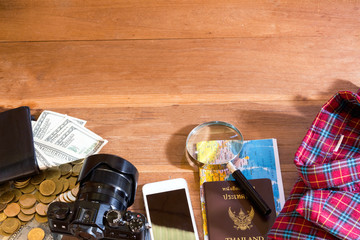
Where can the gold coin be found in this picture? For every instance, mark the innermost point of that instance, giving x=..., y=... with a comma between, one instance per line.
x=76, y=169
x=2, y=216
x=67, y=175
x=7, y=197
x=4, y=233
x=20, y=185
x=12, y=210
x=25, y=217
x=65, y=168
x=59, y=186
x=47, y=187
x=40, y=219
x=28, y=189
x=17, y=194
x=36, y=234
x=27, y=200
x=46, y=199
x=72, y=182
x=41, y=209
x=37, y=194
x=22, y=182
x=28, y=211
x=37, y=179
x=66, y=184
x=10, y=225
x=53, y=173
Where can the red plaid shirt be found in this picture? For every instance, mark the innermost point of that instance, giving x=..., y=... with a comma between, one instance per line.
x=325, y=201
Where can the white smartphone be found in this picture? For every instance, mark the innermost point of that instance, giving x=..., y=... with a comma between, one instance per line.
x=169, y=211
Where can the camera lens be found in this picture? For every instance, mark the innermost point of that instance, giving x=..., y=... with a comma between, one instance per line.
x=107, y=187
x=108, y=179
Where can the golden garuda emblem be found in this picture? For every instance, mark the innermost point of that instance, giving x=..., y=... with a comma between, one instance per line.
x=242, y=221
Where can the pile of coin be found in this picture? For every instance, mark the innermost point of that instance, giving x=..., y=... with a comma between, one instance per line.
x=25, y=199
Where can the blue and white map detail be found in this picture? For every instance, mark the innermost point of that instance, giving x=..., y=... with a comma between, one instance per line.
x=260, y=159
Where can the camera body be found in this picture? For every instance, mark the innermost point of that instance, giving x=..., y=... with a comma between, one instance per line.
x=107, y=188
x=88, y=220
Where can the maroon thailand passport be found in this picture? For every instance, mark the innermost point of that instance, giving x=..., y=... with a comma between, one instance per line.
x=230, y=214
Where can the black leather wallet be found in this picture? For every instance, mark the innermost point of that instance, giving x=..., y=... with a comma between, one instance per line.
x=17, y=153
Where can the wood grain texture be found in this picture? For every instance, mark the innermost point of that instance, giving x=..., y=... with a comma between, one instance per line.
x=167, y=72
x=115, y=20
x=144, y=73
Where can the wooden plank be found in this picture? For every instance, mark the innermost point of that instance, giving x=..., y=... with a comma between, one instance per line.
x=165, y=73
x=133, y=133
x=112, y=20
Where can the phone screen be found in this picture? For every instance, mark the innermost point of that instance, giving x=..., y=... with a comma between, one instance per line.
x=170, y=215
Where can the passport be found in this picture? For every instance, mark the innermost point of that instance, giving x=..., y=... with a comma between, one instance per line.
x=230, y=214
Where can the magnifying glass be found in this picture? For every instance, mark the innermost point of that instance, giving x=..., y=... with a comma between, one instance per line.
x=214, y=145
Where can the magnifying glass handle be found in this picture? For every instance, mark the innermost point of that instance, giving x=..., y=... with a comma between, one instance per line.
x=249, y=190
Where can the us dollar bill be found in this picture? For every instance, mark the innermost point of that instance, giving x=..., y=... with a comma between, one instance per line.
x=33, y=123
x=49, y=120
x=60, y=139
x=75, y=139
x=42, y=160
x=63, y=127
x=54, y=155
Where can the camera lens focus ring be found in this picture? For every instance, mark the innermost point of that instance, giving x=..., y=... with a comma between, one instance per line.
x=108, y=179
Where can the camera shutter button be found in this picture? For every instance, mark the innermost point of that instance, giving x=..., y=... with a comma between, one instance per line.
x=128, y=216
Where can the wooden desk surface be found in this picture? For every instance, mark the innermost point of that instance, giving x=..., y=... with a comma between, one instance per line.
x=144, y=73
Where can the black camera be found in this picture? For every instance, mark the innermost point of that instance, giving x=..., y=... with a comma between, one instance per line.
x=107, y=188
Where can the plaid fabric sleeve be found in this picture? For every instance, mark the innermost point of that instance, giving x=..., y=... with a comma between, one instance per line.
x=289, y=224
x=337, y=212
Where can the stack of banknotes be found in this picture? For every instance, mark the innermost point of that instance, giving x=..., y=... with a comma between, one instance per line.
x=61, y=139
